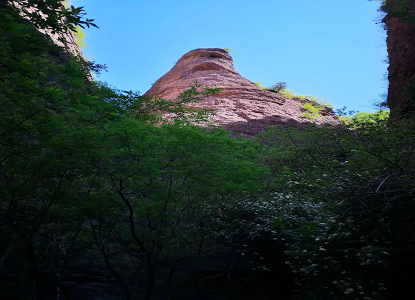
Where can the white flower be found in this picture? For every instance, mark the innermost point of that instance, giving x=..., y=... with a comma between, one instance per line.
x=348, y=291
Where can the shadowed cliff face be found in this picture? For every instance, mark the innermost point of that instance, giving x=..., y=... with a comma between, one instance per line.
x=241, y=106
x=401, y=52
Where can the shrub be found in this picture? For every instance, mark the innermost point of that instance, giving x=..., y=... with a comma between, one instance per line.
x=313, y=111
x=259, y=85
x=279, y=86
x=306, y=97
x=287, y=93
x=366, y=120
x=80, y=37
x=344, y=200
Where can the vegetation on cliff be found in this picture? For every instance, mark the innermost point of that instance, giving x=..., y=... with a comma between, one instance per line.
x=91, y=176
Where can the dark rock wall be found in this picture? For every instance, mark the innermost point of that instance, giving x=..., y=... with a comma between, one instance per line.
x=400, y=24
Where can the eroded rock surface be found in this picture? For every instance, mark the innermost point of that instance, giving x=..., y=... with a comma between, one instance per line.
x=241, y=106
x=401, y=52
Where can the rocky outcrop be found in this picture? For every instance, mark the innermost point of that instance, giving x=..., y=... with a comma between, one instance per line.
x=241, y=106
x=400, y=24
x=65, y=40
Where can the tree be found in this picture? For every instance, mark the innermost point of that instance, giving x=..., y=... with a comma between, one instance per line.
x=279, y=86
x=344, y=199
x=87, y=169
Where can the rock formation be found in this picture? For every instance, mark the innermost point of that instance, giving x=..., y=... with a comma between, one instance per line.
x=400, y=24
x=65, y=40
x=241, y=106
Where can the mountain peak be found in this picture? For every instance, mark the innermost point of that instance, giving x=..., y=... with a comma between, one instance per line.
x=241, y=106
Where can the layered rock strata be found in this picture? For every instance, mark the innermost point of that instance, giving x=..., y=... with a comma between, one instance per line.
x=241, y=106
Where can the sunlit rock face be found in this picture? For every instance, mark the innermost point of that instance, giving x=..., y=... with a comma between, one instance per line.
x=241, y=106
x=66, y=40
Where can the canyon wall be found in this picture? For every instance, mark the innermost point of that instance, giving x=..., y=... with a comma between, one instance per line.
x=400, y=25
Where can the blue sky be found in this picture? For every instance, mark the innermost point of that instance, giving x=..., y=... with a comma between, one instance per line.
x=326, y=48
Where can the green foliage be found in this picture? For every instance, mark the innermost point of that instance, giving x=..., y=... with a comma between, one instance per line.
x=313, y=111
x=279, y=86
x=306, y=97
x=291, y=95
x=90, y=173
x=308, y=115
x=401, y=9
x=85, y=169
x=343, y=199
x=287, y=93
x=227, y=50
x=80, y=37
x=367, y=120
x=50, y=15
x=66, y=3
x=259, y=85
x=311, y=108
x=325, y=103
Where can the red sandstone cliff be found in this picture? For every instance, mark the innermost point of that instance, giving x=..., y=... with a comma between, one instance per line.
x=400, y=24
x=241, y=106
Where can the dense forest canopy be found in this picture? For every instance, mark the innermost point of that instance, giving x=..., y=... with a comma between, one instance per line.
x=94, y=181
